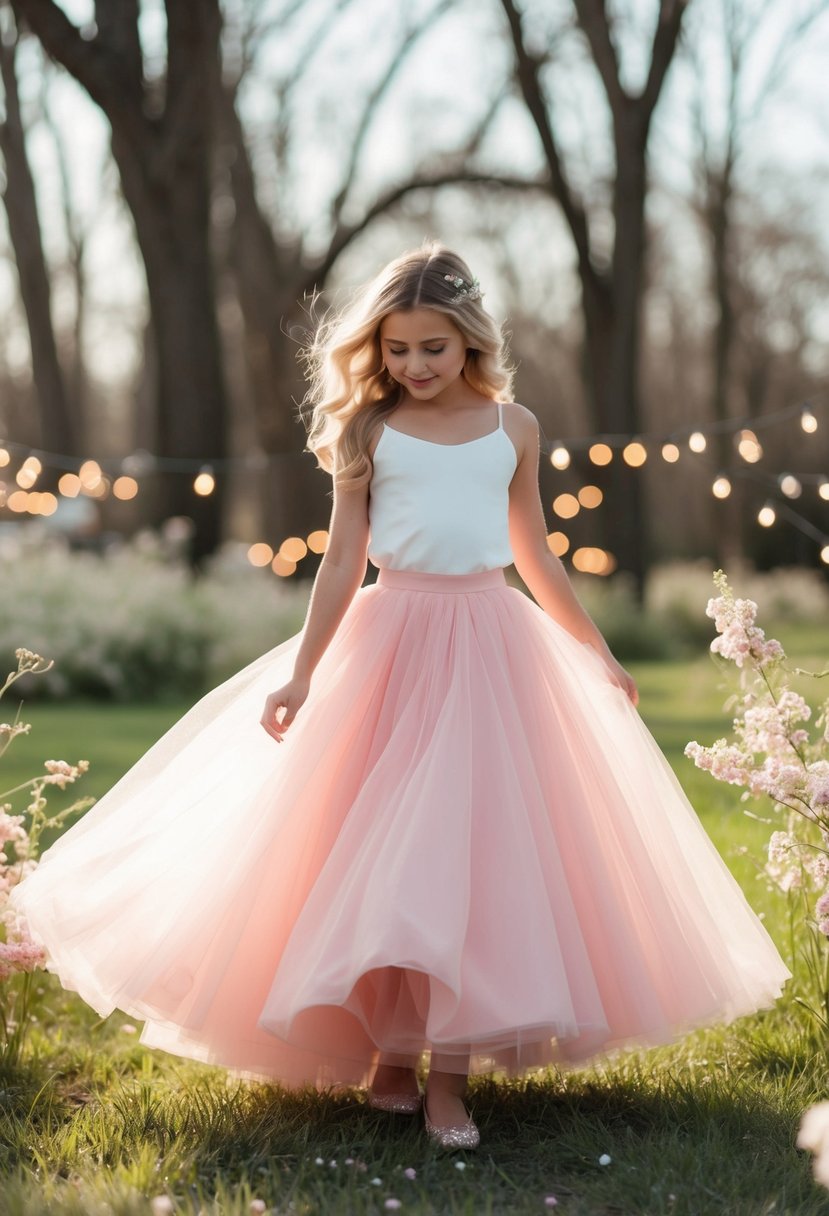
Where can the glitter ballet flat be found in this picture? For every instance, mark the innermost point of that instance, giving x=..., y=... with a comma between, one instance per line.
x=456, y=1135
x=396, y=1104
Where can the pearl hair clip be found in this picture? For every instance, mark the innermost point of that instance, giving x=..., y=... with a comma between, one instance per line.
x=466, y=291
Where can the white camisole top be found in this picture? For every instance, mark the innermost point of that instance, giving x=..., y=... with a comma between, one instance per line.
x=441, y=508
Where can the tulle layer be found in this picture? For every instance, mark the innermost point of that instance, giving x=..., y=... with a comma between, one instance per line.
x=468, y=843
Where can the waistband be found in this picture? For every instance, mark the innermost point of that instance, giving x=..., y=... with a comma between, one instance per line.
x=418, y=580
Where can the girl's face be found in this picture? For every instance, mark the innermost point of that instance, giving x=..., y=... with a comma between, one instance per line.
x=423, y=350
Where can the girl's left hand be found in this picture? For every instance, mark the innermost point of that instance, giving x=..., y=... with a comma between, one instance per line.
x=622, y=679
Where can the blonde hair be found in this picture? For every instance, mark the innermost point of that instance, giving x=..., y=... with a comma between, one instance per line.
x=351, y=392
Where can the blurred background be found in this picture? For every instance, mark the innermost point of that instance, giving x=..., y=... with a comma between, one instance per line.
x=640, y=187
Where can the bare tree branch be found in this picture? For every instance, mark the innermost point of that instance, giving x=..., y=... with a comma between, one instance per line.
x=452, y=177
x=374, y=98
x=532, y=91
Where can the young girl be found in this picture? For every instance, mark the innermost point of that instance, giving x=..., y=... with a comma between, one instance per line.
x=454, y=835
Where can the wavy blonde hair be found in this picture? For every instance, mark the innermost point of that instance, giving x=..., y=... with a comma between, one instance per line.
x=351, y=392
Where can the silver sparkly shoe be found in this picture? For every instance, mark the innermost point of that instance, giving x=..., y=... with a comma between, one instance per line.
x=396, y=1104
x=456, y=1135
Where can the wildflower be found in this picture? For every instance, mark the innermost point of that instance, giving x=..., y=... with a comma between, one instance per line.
x=813, y=1134
x=377, y=1182
x=128, y=1028
x=550, y=1201
x=258, y=1206
x=460, y=1165
x=318, y=1161
x=393, y=1205
x=410, y=1173
x=162, y=1205
x=605, y=1159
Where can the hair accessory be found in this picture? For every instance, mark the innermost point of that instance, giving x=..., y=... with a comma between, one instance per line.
x=466, y=291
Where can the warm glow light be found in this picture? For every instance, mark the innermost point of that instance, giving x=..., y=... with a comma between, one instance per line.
x=293, y=549
x=70, y=485
x=318, y=541
x=766, y=516
x=125, y=488
x=670, y=453
x=594, y=561
x=281, y=566
x=101, y=488
x=90, y=475
x=260, y=554
x=566, y=506
x=558, y=543
x=721, y=487
x=5, y=457
x=48, y=503
x=18, y=501
x=25, y=477
x=824, y=554
x=560, y=458
x=790, y=486
x=635, y=454
x=748, y=445
x=808, y=421
x=204, y=484
x=697, y=442
x=590, y=496
x=823, y=490
x=600, y=453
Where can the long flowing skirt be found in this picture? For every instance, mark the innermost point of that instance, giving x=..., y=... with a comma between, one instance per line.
x=468, y=843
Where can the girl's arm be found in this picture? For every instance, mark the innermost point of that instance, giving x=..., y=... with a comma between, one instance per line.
x=541, y=571
x=340, y=574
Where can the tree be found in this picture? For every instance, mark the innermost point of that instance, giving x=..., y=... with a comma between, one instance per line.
x=611, y=295
x=60, y=425
x=162, y=143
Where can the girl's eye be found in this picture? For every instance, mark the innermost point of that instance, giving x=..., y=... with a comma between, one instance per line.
x=429, y=351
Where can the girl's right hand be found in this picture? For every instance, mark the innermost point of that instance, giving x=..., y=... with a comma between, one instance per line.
x=290, y=696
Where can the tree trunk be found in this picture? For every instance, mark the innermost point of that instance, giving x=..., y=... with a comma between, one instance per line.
x=59, y=428
x=162, y=142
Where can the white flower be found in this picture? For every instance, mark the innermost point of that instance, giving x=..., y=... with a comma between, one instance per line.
x=460, y=1165
x=162, y=1205
x=605, y=1159
x=813, y=1134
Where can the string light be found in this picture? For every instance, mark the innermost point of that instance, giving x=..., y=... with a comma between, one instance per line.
x=590, y=497
x=697, y=442
x=635, y=454
x=124, y=488
x=566, y=506
x=824, y=554
x=808, y=421
x=721, y=487
x=282, y=566
x=766, y=516
x=558, y=543
x=5, y=457
x=790, y=486
x=670, y=453
x=594, y=561
x=205, y=483
x=749, y=447
x=318, y=540
x=293, y=549
x=260, y=554
x=560, y=458
x=600, y=453
x=69, y=485
x=823, y=489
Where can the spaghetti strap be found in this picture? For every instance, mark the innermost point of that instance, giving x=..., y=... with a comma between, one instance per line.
x=500, y=418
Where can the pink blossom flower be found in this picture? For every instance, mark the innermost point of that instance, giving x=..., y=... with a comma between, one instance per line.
x=410, y=1173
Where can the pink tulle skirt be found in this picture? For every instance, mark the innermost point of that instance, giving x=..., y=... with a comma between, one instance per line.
x=467, y=844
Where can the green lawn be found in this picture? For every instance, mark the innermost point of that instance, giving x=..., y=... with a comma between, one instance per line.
x=94, y=1123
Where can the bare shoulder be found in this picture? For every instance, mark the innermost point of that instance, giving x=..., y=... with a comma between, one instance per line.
x=521, y=426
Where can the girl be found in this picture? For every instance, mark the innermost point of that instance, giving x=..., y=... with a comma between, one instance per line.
x=466, y=843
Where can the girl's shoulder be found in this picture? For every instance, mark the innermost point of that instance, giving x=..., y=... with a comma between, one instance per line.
x=520, y=424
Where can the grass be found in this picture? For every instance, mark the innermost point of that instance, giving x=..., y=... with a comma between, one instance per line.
x=93, y=1123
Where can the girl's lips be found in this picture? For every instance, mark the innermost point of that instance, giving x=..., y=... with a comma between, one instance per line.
x=420, y=383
